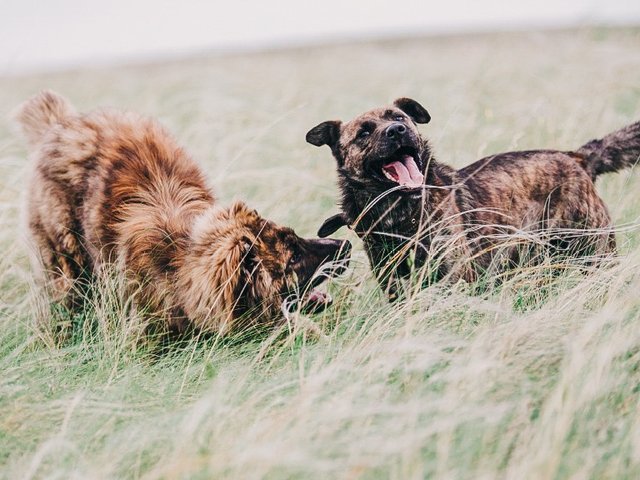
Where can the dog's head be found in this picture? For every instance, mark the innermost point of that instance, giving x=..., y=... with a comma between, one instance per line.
x=240, y=262
x=379, y=149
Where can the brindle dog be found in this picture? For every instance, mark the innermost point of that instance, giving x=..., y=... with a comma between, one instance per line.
x=411, y=209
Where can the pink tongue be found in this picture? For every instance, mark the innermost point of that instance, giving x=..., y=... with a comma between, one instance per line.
x=405, y=172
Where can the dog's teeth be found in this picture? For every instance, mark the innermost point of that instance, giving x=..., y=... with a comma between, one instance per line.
x=404, y=172
x=389, y=176
x=317, y=301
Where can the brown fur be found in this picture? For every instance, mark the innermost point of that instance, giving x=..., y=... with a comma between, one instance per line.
x=115, y=188
x=532, y=203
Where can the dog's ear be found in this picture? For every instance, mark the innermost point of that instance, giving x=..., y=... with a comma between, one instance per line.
x=332, y=224
x=327, y=133
x=412, y=108
x=209, y=286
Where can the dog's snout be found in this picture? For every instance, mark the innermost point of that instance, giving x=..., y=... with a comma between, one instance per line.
x=344, y=251
x=328, y=256
x=333, y=249
x=341, y=255
x=329, y=249
x=395, y=130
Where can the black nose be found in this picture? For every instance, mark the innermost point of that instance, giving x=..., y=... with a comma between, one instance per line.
x=395, y=130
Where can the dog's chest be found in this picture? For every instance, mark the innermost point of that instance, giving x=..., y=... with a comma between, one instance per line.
x=400, y=218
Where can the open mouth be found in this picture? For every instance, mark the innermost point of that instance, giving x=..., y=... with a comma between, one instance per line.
x=316, y=299
x=329, y=258
x=313, y=300
x=402, y=168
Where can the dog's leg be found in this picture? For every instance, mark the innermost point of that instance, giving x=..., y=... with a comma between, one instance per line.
x=60, y=252
x=65, y=281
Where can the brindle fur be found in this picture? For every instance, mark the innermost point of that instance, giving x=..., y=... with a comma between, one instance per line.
x=516, y=203
x=115, y=188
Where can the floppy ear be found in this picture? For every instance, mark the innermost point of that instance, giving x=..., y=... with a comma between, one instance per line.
x=412, y=108
x=228, y=262
x=327, y=133
x=332, y=224
x=243, y=213
x=209, y=282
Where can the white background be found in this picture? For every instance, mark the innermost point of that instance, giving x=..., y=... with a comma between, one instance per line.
x=52, y=34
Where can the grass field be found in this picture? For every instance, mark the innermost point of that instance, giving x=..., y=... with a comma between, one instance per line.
x=516, y=383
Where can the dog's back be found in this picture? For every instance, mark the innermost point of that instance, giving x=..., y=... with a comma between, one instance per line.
x=550, y=189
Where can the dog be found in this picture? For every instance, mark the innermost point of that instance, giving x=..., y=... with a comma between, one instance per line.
x=114, y=188
x=412, y=210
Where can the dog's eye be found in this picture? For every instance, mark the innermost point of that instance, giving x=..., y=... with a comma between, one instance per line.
x=364, y=133
x=295, y=259
x=399, y=118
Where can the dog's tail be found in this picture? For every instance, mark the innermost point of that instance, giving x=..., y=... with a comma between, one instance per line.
x=618, y=150
x=41, y=112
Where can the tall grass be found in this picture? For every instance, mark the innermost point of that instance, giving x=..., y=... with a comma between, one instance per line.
x=536, y=378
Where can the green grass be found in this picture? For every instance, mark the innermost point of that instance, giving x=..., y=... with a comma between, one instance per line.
x=515, y=383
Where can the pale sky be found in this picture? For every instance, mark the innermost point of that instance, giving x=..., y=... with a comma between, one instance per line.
x=50, y=34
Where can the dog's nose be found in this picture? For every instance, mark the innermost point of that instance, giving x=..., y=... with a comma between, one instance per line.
x=395, y=130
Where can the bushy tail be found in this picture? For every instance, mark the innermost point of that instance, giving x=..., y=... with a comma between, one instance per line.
x=38, y=114
x=618, y=150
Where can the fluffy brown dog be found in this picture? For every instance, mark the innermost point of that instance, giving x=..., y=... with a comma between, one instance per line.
x=115, y=188
x=406, y=206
